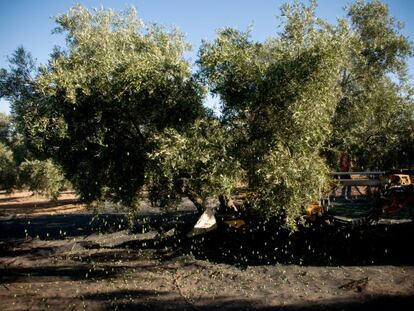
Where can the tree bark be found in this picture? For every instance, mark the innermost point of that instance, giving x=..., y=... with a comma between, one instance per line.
x=182, y=187
x=227, y=203
x=197, y=200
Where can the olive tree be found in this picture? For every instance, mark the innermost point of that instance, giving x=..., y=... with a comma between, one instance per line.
x=21, y=168
x=99, y=100
x=374, y=119
x=42, y=177
x=278, y=98
x=8, y=169
x=4, y=128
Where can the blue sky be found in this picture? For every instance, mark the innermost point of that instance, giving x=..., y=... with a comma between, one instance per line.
x=29, y=23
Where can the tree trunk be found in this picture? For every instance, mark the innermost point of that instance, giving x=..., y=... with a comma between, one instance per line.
x=196, y=199
x=226, y=203
x=182, y=187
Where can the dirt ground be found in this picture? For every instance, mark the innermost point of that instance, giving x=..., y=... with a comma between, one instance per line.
x=63, y=256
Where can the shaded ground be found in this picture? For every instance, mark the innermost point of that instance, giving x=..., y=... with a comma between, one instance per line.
x=72, y=259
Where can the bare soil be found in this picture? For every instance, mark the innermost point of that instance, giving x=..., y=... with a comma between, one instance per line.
x=63, y=256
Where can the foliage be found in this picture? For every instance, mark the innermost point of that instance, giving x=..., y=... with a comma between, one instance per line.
x=42, y=177
x=198, y=161
x=18, y=85
x=4, y=128
x=16, y=171
x=8, y=170
x=382, y=48
x=279, y=98
x=376, y=128
x=374, y=119
x=96, y=104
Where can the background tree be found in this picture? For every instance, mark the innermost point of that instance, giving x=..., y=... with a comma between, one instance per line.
x=20, y=167
x=374, y=118
x=42, y=177
x=4, y=128
x=8, y=169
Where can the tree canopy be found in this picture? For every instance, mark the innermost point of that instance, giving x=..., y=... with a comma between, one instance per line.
x=98, y=101
x=279, y=97
x=374, y=118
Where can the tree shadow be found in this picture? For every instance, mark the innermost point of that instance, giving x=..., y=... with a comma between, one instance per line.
x=41, y=204
x=317, y=245
x=56, y=227
x=12, y=199
x=313, y=246
x=54, y=273
x=33, y=253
